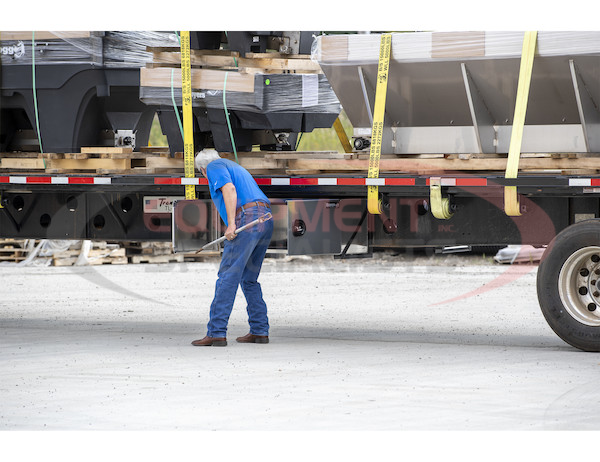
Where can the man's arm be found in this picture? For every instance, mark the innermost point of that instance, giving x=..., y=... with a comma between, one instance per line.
x=230, y=198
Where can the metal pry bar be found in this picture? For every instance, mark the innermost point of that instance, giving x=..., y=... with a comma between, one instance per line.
x=266, y=217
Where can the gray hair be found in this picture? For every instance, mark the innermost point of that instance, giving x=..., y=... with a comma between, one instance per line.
x=205, y=157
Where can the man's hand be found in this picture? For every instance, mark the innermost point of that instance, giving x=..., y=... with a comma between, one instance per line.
x=230, y=232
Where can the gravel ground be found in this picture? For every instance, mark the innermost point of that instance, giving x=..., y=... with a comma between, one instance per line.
x=355, y=345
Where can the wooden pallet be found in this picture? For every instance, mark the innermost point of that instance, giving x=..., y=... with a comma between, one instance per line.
x=210, y=68
x=172, y=258
x=115, y=251
x=157, y=160
x=99, y=160
x=192, y=257
x=70, y=261
x=162, y=252
x=101, y=253
x=225, y=60
x=13, y=250
x=296, y=163
x=104, y=253
x=148, y=248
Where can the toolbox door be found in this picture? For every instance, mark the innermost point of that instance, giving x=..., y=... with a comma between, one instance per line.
x=312, y=228
x=196, y=222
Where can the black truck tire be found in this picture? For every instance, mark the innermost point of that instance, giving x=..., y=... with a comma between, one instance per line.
x=568, y=285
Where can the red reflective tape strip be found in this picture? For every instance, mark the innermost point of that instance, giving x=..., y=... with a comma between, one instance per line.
x=78, y=180
x=351, y=181
x=303, y=181
x=328, y=181
x=595, y=182
x=471, y=182
x=39, y=179
x=399, y=181
x=167, y=180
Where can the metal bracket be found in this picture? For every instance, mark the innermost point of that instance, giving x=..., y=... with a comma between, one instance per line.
x=440, y=206
x=363, y=86
x=369, y=253
x=125, y=138
x=114, y=214
x=12, y=220
x=588, y=110
x=480, y=114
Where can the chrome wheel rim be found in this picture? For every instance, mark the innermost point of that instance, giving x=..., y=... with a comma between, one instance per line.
x=579, y=285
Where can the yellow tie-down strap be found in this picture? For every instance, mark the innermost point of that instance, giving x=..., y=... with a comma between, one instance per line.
x=188, y=123
x=341, y=133
x=440, y=206
x=373, y=202
x=511, y=201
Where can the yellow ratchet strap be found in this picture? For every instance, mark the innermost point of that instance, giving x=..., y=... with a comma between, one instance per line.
x=188, y=123
x=511, y=202
x=440, y=206
x=341, y=133
x=373, y=202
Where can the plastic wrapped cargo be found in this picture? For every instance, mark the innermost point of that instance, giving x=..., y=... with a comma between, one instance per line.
x=98, y=88
x=352, y=49
x=50, y=48
x=455, y=92
x=128, y=49
x=110, y=49
x=84, y=90
x=307, y=93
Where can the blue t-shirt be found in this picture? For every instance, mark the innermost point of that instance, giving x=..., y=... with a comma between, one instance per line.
x=222, y=171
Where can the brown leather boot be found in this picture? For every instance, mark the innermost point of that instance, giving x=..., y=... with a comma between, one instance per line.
x=251, y=338
x=210, y=341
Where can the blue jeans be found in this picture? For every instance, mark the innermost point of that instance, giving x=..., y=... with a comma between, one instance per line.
x=240, y=265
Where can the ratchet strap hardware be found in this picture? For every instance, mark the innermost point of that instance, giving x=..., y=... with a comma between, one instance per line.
x=440, y=206
x=511, y=200
x=188, y=122
x=373, y=201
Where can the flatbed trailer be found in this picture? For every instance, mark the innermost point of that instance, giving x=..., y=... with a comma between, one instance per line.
x=327, y=214
x=436, y=156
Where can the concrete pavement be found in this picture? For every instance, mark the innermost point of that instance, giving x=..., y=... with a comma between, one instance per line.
x=356, y=345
